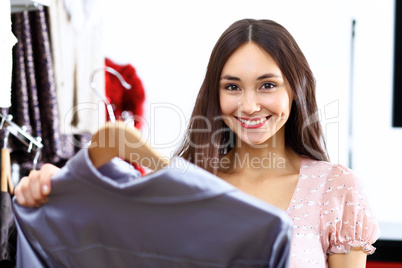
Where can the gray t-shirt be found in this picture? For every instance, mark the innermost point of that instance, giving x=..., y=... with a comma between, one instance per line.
x=180, y=216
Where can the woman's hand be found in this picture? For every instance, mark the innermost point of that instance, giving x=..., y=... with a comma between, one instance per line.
x=33, y=191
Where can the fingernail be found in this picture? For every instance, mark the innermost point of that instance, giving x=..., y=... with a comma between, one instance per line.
x=45, y=189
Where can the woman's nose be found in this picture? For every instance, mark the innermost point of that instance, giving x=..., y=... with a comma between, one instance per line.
x=250, y=103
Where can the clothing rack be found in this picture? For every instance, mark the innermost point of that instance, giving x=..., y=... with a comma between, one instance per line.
x=33, y=144
x=22, y=5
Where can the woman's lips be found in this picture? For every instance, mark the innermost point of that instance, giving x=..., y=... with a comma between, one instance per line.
x=252, y=122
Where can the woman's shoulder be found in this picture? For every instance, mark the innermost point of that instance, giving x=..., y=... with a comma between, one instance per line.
x=310, y=165
x=346, y=216
x=331, y=175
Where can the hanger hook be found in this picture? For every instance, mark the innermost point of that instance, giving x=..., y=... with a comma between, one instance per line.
x=103, y=98
x=5, y=118
x=8, y=117
x=118, y=75
x=35, y=160
x=6, y=135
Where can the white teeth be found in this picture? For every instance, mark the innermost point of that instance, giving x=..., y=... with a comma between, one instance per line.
x=252, y=123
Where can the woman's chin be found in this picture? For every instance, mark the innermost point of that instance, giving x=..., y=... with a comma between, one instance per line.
x=255, y=141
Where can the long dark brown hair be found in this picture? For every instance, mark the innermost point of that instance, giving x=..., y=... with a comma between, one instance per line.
x=208, y=137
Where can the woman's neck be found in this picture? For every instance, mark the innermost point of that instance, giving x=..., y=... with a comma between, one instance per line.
x=272, y=156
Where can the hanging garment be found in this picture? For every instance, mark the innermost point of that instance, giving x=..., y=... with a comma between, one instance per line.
x=25, y=104
x=7, y=42
x=31, y=70
x=180, y=216
x=76, y=34
x=129, y=100
x=8, y=238
x=125, y=100
x=34, y=102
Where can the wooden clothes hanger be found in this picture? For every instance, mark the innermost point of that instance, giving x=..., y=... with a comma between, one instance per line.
x=117, y=139
x=7, y=184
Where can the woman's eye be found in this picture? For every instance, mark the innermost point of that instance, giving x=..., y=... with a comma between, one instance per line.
x=267, y=86
x=232, y=87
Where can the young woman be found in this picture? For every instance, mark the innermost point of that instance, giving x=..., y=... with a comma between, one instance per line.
x=253, y=126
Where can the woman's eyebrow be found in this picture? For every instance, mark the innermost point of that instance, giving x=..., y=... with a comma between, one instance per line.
x=269, y=75
x=229, y=77
x=264, y=76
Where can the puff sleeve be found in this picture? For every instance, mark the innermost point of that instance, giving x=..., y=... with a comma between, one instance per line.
x=346, y=217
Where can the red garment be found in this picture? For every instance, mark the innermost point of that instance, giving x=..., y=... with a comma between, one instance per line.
x=383, y=264
x=122, y=99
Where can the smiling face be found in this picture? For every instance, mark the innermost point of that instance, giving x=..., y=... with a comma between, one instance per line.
x=255, y=98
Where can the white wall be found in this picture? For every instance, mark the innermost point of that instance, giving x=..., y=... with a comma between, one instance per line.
x=376, y=144
x=169, y=43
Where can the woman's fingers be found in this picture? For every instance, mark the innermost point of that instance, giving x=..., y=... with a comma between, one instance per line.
x=23, y=193
x=33, y=190
x=46, y=173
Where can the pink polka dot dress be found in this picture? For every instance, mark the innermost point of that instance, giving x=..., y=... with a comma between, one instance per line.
x=330, y=214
